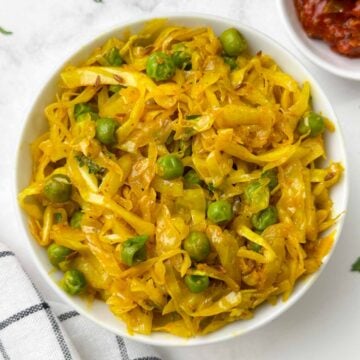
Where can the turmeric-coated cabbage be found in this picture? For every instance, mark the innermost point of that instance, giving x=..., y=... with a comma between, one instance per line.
x=149, y=131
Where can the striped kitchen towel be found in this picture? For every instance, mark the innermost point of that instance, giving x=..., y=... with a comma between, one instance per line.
x=33, y=329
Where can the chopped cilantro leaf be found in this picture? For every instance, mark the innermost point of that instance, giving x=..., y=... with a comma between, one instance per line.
x=80, y=159
x=93, y=168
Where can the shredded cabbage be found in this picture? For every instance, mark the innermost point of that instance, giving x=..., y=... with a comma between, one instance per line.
x=228, y=126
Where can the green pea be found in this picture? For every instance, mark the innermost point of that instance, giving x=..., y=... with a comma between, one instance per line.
x=134, y=250
x=75, y=221
x=57, y=253
x=80, y=109
x=115, y=88
x=231, y=61
x=169, y=167
x=191, y=178
x=58, y=188
x=83, y=109
x=182, y=60
x=73, y=282
x=220, y=211
x=311, y=123
x=233, y=42
x=197, y=283
x=272, y=176
x=197, y=245
x=106, y=130
x=114, y=58
x=160, y=66
x=264, y=218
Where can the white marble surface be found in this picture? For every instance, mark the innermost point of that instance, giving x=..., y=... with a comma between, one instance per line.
x=324, y=324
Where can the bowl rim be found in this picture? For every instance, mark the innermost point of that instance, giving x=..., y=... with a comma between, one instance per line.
x=173, y=340
x=315, y=59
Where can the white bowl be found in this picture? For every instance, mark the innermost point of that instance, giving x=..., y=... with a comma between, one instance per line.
x=318, y=51
x=36, y=124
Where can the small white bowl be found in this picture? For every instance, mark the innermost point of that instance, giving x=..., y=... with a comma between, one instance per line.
x=318, y=51
x=35, y=124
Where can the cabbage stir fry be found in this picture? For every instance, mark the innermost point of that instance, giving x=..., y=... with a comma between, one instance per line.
x=178, y=180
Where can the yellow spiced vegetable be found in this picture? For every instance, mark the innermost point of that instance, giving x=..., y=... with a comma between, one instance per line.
x=178, y=180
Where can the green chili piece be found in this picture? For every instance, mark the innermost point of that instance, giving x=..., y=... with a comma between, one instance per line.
x=197, y=283
x=134, y=250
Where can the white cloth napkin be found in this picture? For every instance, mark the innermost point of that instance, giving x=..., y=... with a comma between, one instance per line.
x=33, y=329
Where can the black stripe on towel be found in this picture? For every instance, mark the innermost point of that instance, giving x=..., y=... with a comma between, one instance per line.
x=6, y=253
x=56, y=328
x=58, y=334
x=68, y=315
x=122, y=347
x=22, y=314
x=3, y=352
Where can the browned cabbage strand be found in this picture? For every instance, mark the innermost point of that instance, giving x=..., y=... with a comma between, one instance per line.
x=246, y=124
